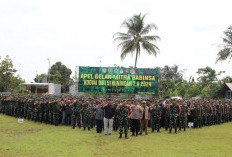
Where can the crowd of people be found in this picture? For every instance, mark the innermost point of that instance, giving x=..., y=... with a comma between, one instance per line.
x=108, y=114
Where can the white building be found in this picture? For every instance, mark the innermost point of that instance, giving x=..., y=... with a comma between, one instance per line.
x=228, y=91
x=43, y=88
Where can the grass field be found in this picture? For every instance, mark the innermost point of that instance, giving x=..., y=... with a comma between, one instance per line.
x=35, y=139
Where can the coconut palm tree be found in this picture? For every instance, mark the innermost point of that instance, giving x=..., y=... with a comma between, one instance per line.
x=136, y=37
x=172, y=72
x=226, y=52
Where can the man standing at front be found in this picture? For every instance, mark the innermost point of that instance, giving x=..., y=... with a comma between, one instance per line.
x=109, y=109
x=123, y=115
x=145, y=116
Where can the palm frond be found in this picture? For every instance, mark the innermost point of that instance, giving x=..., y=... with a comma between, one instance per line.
x=127, y=23
x=128, y=47
x=119, y=34
x=151, y=49
x=227, y=41
x=120, y=45
x=226, y=52
x=223, y=54
x=148, y=28
x=151, y=38
x=122, y=39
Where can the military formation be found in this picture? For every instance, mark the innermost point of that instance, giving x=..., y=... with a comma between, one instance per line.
x=126, y=114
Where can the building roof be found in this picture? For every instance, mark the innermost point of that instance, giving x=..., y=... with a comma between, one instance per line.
x=229, y=85
x=35, y=84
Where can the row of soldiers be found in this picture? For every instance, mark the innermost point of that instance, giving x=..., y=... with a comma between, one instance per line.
x=168, y=113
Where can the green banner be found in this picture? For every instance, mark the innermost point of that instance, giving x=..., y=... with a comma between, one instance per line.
x=118, y=80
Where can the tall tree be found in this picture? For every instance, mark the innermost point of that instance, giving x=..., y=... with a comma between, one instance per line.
x=137, y=37
x=14, y=85
x=6, y=73
x=207, y=76
x=59, y=74
x=226, y=51
x=172, y=72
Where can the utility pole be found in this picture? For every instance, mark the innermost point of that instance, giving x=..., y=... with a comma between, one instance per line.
x=100, y=62
x=19, y=69
x=49, y=71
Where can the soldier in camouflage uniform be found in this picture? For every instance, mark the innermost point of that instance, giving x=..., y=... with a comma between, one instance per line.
x=50, y=109
x=1, y=104
x=76, y=113
x=214, y=113
x=41, y=110
x=92, y=106
x=21, y=109
x=226, y=111
x=56, y=112
x=220, y=112
x=183, y=115
x=210, y=114
x=175, y=111
x=46, y=110
x=36, y=109
x=197, y=120
x=116, y=122
x=25, y=108
x=30, y=114
x=230, y=111
x=205, y=112
x=217, y=112
x=87, y=114
x=123, y=115
x=166, y=114
x=155, y=111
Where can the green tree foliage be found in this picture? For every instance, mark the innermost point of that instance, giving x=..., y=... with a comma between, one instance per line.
x=15, y=82
x=39, y=78
x=207, y=76
x=168, y=87
x=226, y=51
x=213, y=91
x=8, y=82
x=207, y=86
x=172, y=72
x=137, y=38
x=192, y=90
x=224, y=80
x=172, y=81
x=59, y=74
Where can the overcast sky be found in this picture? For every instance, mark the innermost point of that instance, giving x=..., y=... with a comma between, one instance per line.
x=79, y=33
